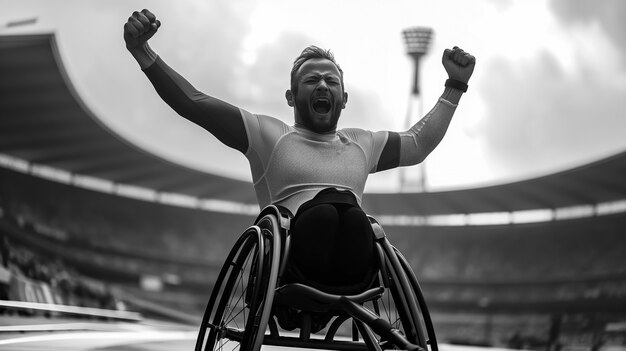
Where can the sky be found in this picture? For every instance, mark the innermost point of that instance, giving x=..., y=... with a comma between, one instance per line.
x=546, y=95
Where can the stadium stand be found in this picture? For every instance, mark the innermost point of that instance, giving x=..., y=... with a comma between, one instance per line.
x=574, y=249
x=99, y=220
x=118, y=240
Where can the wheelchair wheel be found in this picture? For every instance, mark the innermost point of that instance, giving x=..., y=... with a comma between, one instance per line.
x=240, y=304
x=402, y=304
x=421, y=302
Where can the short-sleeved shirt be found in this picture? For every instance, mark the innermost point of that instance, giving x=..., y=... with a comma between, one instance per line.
x=290, y=165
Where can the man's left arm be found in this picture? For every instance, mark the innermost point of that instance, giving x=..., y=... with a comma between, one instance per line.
x=412, y=146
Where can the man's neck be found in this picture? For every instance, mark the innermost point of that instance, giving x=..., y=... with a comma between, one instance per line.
x=309, y=134
x=302, y=126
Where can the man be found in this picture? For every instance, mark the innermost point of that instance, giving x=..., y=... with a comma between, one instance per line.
x=310, y=169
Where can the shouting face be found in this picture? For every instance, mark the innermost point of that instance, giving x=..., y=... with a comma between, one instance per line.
x=319, y=97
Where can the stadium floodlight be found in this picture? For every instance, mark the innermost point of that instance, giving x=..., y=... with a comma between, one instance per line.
x=417, y=40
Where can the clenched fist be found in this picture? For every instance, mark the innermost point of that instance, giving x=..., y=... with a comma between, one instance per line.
x=458, y=64
x=140, y=27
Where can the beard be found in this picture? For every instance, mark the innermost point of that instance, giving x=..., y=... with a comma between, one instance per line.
x=315, y=121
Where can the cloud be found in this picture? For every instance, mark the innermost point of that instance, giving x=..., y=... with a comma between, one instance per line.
x=193, y=41
x=501, y=4
x=263, y=84
x=541, y=116
x=608, y=14
x=206, y=41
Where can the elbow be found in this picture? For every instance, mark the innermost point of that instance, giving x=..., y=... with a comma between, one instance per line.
x=420, y=158
x=413, y=159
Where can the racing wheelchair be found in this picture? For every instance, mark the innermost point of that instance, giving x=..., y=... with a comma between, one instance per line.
x=249, y=297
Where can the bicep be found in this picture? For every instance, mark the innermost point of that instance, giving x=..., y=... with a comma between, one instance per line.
x=390, y=156
x=223, y=120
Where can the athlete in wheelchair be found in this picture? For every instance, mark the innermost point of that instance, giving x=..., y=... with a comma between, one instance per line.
x=313, y=259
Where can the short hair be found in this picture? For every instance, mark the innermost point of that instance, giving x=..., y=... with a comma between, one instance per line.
x=312, y=52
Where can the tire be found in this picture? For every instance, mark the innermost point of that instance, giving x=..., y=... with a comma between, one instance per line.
x=426, y=320
x=238, y=310
x=399, y=304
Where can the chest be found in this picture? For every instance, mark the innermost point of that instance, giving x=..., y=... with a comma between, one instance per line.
x=298, y=160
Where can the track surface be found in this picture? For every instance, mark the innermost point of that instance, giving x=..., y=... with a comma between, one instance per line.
x=21, y=334
x=76, y=334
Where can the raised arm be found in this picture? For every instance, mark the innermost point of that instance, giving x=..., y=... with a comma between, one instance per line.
x=221, y=119
x=412, y=146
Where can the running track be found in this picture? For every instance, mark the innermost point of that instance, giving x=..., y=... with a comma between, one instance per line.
x=75, y=335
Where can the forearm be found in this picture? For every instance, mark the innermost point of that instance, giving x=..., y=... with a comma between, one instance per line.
x=144, y=55
x=423, y=137
x=452, y=95
x=173, y=88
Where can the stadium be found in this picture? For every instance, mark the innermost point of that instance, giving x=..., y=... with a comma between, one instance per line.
x=91, y=221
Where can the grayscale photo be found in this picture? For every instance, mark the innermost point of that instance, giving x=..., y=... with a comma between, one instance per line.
x=333, y=175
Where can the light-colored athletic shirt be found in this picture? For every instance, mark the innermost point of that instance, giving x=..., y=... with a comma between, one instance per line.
x=290, y=165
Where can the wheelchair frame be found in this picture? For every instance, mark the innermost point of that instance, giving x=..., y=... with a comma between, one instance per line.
x=248, y=280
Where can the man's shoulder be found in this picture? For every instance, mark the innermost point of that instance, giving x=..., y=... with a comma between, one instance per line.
x=355, y=133
x=264, y=129
x=362, y=136
x=262, y=121
x=270, y=119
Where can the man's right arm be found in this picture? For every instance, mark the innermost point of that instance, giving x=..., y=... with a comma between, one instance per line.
x=221, y=119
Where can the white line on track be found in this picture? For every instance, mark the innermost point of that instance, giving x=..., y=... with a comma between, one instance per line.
x=103, y=339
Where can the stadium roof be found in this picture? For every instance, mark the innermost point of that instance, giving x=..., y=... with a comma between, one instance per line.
x=44, y=121
x=603, y=181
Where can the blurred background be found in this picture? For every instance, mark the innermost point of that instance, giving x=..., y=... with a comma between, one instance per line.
x=516, y=228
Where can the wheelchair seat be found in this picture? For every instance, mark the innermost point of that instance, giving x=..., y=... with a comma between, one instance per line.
x=291, y=274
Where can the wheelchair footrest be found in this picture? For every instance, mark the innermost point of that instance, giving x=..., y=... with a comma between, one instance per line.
x=305, y=297
x=379, y=325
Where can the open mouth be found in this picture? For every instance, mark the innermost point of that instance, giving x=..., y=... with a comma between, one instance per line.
x=321, y=106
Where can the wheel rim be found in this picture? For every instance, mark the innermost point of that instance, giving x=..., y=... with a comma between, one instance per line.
x=244, y=297
x=394, y=305
x=228, y=328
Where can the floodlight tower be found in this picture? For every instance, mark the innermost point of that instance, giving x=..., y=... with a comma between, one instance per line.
x=417, y=40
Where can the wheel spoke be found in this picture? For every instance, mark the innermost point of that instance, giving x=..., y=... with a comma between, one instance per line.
x=239, y=292
x=224, y=345
x=248, y=279
x=232, y=319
